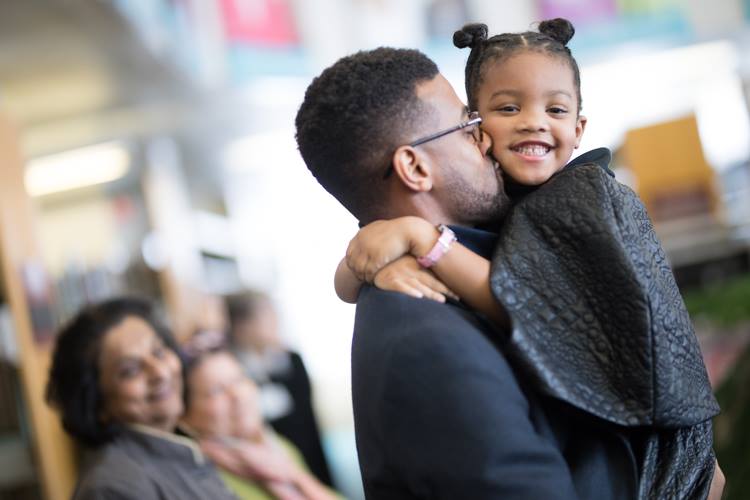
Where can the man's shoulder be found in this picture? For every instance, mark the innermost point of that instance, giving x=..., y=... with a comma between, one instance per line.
x=392, y=315
x=395, y=333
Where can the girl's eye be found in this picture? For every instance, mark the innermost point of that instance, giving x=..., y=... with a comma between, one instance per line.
x=556, y=110
x=507, y=109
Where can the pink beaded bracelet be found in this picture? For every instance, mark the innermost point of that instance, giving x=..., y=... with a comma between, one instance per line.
x=442, y=245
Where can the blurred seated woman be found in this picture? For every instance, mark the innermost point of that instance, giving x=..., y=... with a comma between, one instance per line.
x=116, y=381
x=222, y=412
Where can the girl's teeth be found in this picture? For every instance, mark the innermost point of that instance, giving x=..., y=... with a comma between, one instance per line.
x=536, y=150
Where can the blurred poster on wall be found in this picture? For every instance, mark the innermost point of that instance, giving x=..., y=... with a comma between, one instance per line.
x=579, y=11
x=717, y=18
x=649, y=6
x=259, y=22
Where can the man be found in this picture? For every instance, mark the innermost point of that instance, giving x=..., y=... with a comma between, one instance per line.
x=439, y=413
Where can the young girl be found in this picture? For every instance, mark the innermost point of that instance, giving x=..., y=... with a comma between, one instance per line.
x=578, y=276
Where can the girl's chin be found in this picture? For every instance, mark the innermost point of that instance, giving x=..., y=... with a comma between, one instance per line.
x=530, y=175
x=529, y=180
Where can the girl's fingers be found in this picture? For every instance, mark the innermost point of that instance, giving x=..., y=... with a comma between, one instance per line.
x=403, y=286
x=428, y=292
x=429, y=280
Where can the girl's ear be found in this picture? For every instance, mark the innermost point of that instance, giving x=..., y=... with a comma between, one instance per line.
x=413, y=169
x=580, y=127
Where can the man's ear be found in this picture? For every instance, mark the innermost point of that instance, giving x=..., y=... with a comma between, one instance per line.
x=412, y=168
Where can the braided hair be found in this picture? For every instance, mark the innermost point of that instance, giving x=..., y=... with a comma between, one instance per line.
x=552, y=38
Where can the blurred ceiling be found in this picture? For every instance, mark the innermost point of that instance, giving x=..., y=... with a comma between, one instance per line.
x=73, y=72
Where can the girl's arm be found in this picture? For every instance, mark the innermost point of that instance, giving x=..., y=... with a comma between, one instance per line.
x=402, y=275
x=373, y=247
x=466, y=273
x=461, y=270
x=347, y=285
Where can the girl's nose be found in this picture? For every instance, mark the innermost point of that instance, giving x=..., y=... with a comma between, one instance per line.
x=533, y=121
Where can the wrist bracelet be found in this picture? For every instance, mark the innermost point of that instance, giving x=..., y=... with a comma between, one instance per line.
x=442, y=245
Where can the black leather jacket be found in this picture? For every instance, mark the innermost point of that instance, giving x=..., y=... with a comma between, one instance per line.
x=599, y=323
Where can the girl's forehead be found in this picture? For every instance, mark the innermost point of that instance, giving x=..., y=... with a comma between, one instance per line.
x=527, y=68
x=528, y=57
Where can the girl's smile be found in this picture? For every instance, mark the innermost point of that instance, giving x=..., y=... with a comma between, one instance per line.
x=532, y=150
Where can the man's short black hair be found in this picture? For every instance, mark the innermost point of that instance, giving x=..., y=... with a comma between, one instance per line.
x=355, y=115
x=73, y=385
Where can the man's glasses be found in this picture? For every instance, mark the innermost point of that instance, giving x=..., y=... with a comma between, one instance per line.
x=473, y=121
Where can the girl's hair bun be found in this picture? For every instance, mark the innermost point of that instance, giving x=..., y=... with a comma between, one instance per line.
x=558, y=29
x=470, y=35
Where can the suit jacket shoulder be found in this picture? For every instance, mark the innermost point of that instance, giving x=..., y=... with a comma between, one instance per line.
x=438, y=411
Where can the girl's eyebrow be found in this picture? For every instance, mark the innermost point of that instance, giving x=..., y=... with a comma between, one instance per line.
x=518, y=93
x=552, y=93
x=512, y=93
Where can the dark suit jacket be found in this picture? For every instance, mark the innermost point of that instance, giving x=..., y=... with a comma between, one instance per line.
x=439, y=413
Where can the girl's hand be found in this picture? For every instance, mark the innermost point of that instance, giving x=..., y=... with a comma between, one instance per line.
x=405, y=275
x=381, y=242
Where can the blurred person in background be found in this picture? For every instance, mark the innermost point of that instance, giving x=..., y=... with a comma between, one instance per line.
x=223, y=412
x=116, y=380
x=285, y=391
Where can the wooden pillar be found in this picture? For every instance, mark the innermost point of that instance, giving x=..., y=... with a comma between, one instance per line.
x=53, y=449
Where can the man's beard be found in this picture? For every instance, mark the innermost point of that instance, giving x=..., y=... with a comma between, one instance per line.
x=473, y=207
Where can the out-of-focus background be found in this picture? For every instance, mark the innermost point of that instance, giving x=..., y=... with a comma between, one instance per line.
x=147, y=147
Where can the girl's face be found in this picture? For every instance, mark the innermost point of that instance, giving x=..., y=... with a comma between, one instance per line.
x=529, y=107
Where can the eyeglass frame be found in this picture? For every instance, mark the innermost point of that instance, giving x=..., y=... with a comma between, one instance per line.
x=473, y=119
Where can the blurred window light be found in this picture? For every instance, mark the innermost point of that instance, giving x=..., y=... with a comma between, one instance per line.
x=155, y=251
x=77, y=168
x=723, y=122
x=276, y=92
x=213, y=233
x=637, y=90
x=262, y=152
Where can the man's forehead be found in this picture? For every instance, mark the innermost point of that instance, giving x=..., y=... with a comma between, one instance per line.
x=439, y=95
